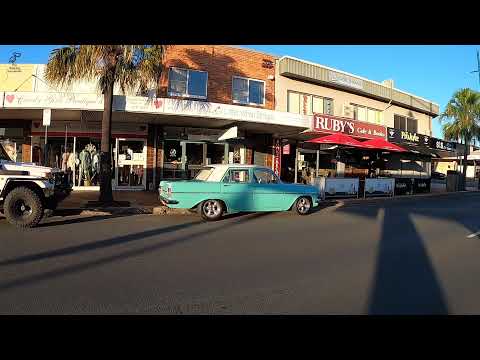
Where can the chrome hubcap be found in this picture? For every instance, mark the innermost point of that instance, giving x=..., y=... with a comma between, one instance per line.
x=22, y=209
x=303, y=205
x=211, y=208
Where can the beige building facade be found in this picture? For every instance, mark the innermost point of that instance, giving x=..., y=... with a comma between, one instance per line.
x=307, y=88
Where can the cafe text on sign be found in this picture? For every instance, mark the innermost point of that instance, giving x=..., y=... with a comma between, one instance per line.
x=333, y=124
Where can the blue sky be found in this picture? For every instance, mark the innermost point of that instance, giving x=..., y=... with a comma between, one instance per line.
x=431, y=72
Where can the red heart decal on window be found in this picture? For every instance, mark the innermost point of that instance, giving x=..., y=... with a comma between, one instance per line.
x=10, y=98
x=157, y=103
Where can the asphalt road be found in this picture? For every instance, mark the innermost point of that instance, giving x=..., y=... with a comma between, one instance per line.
x=404, y=256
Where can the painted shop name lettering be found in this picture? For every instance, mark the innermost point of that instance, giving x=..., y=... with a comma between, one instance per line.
x=409, y=136
x=336, y=125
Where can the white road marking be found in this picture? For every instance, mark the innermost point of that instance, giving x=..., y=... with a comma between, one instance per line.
x=473, y=235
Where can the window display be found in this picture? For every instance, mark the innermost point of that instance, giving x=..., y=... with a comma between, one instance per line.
x=131, y=160
x=87, y=163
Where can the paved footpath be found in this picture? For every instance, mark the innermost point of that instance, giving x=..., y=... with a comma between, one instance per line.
x=402, y=256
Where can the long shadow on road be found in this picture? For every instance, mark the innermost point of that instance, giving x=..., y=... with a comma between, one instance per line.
x=405, y=281
x=113, y=241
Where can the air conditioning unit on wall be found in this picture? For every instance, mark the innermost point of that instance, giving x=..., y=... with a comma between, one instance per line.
x=348, y=110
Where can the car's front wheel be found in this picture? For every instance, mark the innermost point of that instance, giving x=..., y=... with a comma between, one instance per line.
x=211, y=210
x=303, y=205
x=23, y=207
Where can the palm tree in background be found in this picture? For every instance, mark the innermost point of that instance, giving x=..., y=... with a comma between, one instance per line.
x=131, y=67
x=151, y=68
x=462, y=114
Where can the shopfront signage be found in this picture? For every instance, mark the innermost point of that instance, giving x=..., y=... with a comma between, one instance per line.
x=286, y=149
x=421, y=185
x=403, y=186
x=47, y=115
x=233, y=112
x=377, y=187
x=440, y=144
x=405, y=137
x=81, y=101
x=333, y=124
x=34, y=100
x=423, y=141
x=345, y=80
x=277, y=160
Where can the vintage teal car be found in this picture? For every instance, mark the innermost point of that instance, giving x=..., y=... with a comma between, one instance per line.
x=219, y=189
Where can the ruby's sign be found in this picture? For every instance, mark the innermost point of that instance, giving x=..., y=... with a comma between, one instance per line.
x=333, y=124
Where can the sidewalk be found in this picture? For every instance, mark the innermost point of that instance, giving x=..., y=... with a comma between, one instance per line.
x=79, y=199
x=146, y=202
x=141, y=202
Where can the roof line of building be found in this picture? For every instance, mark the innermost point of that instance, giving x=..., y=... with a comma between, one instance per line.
x=355, y=76
x=252, y=50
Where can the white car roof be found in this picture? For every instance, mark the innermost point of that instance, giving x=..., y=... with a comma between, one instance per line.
x=220, y=169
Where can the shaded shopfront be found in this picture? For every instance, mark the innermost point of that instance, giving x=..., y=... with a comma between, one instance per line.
x=305, y=161
x=74, y=147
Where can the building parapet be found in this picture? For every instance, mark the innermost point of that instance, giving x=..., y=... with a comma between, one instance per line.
x=311, y=72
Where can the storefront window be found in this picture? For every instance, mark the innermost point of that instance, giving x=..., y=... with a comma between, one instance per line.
x=215, y=154
x=131, y=158
x=87, y=162
x=194, y=154
x=12, y=140
x=172, y=160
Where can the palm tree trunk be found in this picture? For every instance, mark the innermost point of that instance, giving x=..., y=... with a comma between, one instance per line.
x=465, y=164
x=106, y=195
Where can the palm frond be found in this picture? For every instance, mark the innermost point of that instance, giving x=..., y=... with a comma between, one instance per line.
x=461, y=117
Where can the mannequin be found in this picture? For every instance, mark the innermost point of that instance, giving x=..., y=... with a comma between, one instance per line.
x=85, y=166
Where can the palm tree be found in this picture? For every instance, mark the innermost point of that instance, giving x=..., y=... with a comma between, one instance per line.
x=463, y=115
x=151, y=68
x=129, y=66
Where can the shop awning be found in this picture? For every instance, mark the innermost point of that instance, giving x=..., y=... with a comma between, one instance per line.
x=337, y=139
x=418, y=150
x=382, y=144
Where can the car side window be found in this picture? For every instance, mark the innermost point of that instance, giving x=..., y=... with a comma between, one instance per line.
x=263, y=176
x=237, y=176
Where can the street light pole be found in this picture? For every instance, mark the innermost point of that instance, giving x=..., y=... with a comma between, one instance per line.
x=478, y=67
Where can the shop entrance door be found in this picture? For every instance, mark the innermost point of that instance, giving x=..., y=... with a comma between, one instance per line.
x=194, y=157
x=131, y=164
x=307, y=165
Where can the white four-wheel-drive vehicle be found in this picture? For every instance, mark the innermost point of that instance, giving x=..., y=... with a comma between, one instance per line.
x=26, y=190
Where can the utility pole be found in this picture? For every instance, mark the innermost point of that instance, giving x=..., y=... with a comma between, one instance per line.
x=478, y=68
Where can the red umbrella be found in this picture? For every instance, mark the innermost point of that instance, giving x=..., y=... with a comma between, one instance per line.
x=338, y=139
x=383, y=144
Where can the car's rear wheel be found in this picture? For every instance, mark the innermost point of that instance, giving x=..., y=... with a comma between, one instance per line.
x=23, y=207
x=303, y=205
x=211, y=210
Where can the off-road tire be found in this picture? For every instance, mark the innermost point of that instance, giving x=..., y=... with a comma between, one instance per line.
x=211, y=210
x=30, y=200
x=302, y=206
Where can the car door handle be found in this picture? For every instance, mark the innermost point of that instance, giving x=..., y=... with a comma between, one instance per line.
x=226, y=184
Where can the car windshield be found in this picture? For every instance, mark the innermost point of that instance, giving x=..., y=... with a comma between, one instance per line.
x=3, y=154
x=203, y=174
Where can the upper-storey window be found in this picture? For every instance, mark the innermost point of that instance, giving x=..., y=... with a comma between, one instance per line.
x=187, y=83
x=248, y=91
x=363, y=113
x=405, y=124
x=307, y=104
